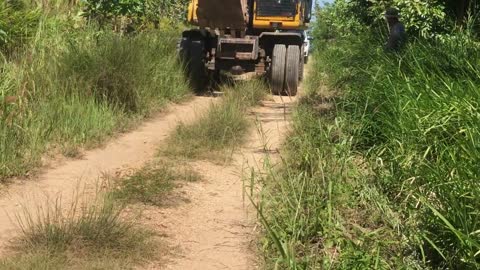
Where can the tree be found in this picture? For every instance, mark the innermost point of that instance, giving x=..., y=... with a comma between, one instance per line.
x=134, y=12
x=426, y=17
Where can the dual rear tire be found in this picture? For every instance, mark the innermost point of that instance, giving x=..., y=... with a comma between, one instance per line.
x=285, y=70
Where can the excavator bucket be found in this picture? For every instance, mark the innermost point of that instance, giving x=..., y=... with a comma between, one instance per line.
x=222, y=14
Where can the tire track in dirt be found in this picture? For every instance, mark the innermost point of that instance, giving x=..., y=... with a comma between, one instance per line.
x=215, y=227
x=130, y=151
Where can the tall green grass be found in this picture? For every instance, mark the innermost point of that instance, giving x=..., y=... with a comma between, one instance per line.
x=381, y=169
x=17, y=24
x=415, y=117
x=321, y=209
x=75, y=87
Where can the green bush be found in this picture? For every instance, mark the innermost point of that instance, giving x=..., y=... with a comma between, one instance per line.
x=134, y=14
x=427, y=19
x=129, y=73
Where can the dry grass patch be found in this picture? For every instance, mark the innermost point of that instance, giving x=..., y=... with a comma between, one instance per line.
x=151, y=184
x=79, y=236
x=222, y=128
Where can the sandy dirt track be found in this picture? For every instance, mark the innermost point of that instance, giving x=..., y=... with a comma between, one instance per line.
x=213, y=226
x=215, y=229
x=129, y=151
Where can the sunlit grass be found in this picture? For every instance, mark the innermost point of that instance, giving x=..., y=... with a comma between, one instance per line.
x=151, y=184
x=222, y=128
x=384, y=177
x=87, y=233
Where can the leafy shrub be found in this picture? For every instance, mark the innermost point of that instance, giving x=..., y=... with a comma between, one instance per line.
x=426, y=18
x=431, y=18
x=135, y=14
x=174, y=9
x=341, y=19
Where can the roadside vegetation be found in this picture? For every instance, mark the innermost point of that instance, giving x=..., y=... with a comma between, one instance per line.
x=80, y=235
x=381, y=169
x=100, y=230
x=70, y=81
x=217, y=133
x=73, y=74
x=101, y=233
x=322, y=209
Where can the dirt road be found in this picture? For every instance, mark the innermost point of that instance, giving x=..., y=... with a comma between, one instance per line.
x=213, y=228
x=130, y=151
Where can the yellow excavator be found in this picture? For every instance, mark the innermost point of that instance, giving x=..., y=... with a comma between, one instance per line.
x=241, y=37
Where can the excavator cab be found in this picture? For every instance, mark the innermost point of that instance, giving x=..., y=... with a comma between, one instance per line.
x=263, y=37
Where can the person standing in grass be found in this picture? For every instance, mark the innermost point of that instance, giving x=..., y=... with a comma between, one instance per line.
x=398, y=36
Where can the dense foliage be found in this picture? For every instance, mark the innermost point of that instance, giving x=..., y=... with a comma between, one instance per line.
x=19, y=19
x=426, y=18
x=417, y=120
x=17, y=24
x=414, y=115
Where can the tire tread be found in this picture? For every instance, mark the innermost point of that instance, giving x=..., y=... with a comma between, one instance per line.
x=292, y=70
x=278, y=68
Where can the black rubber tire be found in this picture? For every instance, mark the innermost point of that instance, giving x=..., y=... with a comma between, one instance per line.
x=293, y=70
x=196, y=69
x=306, y=60
x=278, y=69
